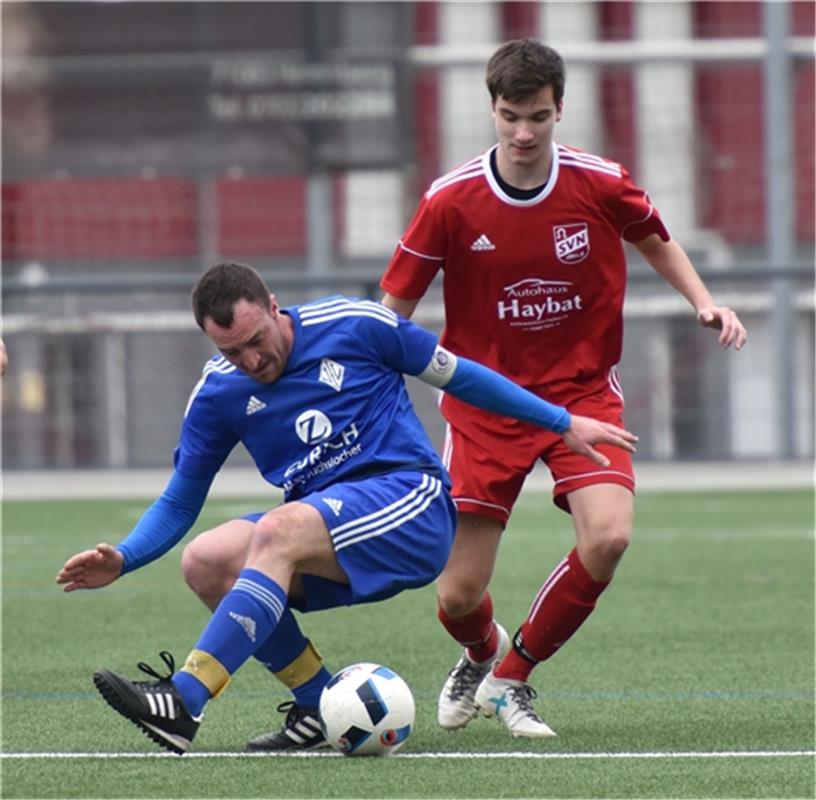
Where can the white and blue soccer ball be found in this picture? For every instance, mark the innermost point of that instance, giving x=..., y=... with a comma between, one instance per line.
x=366, y=710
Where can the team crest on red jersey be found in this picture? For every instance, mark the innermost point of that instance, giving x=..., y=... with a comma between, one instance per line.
x=571, y=242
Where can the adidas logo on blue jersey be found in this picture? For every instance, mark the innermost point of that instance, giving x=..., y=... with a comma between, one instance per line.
x=334, y=505
x=254, y=405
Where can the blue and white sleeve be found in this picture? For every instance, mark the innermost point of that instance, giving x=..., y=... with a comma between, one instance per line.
x=166, y=522
x=484, y=388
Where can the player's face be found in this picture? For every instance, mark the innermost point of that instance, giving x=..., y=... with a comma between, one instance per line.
x=258, y=342
x=525, y=130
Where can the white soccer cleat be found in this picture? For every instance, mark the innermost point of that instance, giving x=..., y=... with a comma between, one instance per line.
x=512, y=703
x=457, y=703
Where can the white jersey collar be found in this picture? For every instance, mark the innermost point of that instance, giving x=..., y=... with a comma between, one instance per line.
x=506, y=198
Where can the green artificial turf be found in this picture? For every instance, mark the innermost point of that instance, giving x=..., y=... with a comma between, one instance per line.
x=694, y=678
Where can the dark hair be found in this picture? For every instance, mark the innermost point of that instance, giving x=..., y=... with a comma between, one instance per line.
x=221, y=287
x=522, y=67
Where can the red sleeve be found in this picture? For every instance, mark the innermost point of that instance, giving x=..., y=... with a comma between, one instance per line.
x=419, y=255
x=636, y=214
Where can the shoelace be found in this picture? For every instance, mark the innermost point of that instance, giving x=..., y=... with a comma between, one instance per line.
x=169, y=662
x=524, y=696
x=293, y=712
x=465, y=678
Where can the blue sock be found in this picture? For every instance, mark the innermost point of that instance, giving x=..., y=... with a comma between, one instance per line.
x=308, y=694
x=246, y=617
x=194, y=693
x=281, y=648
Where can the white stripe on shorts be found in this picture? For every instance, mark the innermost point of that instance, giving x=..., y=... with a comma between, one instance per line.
x=388, y=518
x=614, y=382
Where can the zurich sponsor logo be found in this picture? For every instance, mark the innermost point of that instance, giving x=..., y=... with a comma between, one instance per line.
x=313, y=426
x=571, y=242
x=326, y=454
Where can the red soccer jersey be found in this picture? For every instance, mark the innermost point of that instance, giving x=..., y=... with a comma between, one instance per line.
x=533, y=288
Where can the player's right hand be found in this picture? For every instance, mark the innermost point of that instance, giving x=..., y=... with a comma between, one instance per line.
x=91, y=569
x=584, y=432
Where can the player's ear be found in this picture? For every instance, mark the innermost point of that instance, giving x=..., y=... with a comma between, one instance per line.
x=274, y=305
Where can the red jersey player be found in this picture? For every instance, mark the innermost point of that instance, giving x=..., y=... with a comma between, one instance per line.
x=529, y=236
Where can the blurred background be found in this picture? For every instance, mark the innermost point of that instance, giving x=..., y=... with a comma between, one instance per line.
x=142, y=142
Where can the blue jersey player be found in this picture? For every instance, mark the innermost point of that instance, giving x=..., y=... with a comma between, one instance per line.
x=316, y=395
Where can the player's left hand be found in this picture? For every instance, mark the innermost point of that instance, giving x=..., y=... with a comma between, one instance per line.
x=584, y=432
x=725, y=320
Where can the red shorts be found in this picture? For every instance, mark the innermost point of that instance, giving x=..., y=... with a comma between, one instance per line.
x=489, y=456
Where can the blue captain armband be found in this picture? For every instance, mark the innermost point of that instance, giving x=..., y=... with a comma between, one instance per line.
x=484, y=388
x=165, y=522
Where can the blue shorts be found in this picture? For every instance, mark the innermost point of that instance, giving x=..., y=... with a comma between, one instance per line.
x=390, y=532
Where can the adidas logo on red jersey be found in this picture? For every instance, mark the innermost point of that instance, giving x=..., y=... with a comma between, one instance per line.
x=482, y=243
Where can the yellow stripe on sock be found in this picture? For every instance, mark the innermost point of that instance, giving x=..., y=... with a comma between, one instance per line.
x=209, y=670
x=302, y=669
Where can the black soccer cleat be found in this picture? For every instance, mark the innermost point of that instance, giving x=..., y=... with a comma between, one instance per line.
x=301, y=731
x=155, y=706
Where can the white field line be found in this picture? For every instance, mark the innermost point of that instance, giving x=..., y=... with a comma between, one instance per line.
x=438, y=756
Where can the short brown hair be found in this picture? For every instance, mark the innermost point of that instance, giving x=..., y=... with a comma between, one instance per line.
x=221, y=287
x=522, y=67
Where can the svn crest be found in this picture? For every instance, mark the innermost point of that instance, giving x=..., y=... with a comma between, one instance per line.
x=571, y=242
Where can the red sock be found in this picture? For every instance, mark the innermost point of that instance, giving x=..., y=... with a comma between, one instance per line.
x=562, y=604
x=476, y=630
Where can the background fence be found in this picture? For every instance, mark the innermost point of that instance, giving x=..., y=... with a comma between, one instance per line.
x=144, y=141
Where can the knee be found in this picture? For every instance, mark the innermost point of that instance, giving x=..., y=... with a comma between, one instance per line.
x=604, y=548
x=193, y=564
x=206, y=575
x=274, y=539
x=615, y=542
x=458, y=597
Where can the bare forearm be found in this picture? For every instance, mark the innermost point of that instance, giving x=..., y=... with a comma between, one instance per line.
x=403, y=307
x=670, y=261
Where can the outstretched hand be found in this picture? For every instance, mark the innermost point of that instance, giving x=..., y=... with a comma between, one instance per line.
x=725, y=320
x=91, y=569
x=584, y=432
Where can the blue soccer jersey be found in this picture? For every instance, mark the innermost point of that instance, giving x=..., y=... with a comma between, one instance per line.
x=340, y=410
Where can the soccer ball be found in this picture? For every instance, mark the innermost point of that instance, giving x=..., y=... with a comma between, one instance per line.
x=366, y=710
